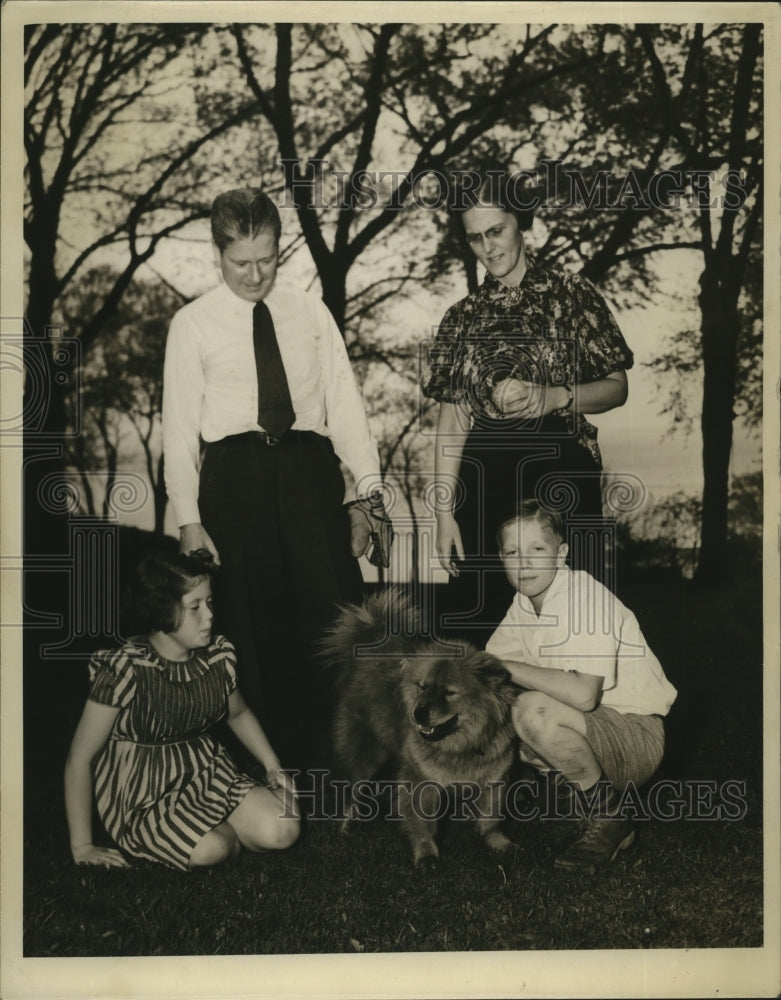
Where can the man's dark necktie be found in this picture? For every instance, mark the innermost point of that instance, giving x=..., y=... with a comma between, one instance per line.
x=275, y=408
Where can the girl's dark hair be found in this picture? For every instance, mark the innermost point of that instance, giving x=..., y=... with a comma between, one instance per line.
x=531, y=510
x=241, y=214
x=494, y=187
x=158, y=586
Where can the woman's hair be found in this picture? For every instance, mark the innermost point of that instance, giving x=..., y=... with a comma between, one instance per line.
x=493, y=187
x=531, y=510
x=158, y=586
x=241, y=214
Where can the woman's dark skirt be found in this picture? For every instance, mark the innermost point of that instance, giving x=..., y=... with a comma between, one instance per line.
x=502, y=465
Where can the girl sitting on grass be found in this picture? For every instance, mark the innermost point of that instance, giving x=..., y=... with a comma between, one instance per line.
x=165, y=789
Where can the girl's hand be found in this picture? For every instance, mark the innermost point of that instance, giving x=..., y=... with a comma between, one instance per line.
x=449, y=538
x=280, y=779
x=104, y=857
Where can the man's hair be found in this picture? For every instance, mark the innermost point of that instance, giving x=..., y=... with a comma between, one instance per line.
x=158, y=586
x=241, y=214
x=492, y=186
x=531, y=510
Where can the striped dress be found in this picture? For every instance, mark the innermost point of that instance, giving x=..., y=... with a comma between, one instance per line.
x=161, y=781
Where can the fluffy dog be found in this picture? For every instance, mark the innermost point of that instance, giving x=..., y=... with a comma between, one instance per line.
x=443, y=721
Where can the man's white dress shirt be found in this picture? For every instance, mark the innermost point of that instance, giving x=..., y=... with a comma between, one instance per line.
x=210, y=385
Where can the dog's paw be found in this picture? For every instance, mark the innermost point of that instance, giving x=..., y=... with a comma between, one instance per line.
x=426, y=855
x=497, y=841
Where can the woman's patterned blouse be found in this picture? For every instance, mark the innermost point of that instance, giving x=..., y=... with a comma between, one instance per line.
x=553, y=329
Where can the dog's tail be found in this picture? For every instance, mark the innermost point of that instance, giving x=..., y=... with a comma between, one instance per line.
x=387, y=624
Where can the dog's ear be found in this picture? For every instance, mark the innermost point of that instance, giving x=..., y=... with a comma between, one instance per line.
x=488, y=668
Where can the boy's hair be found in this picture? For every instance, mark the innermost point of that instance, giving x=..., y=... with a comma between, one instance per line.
x=532, y=510
x=158, y=586
x=241, y=214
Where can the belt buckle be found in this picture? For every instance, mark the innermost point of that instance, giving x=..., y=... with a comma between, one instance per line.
x=270, y=439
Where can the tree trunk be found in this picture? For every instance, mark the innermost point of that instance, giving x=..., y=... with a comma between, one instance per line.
x=45, y=517
x=720, y=328
x=334, y=282
x=43, y=417
x=160, y=496
x=415, y=547
x=111, y=476
x=86, y=487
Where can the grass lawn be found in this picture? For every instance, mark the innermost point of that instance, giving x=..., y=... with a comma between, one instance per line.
x=684, y=884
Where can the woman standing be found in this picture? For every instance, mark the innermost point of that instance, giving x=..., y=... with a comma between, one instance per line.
x=516, y=366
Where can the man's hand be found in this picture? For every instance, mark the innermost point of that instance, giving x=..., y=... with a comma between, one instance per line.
x=193, y=537
x=371, y=530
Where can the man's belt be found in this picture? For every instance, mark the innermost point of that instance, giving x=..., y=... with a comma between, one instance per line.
x=264, y=439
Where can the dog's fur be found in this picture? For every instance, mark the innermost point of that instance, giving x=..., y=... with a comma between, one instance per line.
x=437, y=718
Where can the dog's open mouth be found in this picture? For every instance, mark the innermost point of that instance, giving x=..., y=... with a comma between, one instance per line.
x=441, y=729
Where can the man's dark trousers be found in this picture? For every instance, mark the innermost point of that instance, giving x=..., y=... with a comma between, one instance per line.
x=275, y=513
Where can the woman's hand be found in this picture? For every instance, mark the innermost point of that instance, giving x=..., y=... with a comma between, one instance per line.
x=510, y=395
x=526, y=400
x=449, y=538
x=193, y=537
x=104, y=857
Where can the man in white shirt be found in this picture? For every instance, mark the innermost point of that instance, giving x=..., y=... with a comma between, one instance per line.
x=594, y=694
x=262, y=490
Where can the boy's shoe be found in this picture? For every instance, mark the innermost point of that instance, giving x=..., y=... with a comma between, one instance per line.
x=601, y=839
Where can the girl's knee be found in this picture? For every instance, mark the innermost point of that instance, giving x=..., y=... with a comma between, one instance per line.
x=273, y=835
x=218, y=845
x=266, y=821
x=286, y=834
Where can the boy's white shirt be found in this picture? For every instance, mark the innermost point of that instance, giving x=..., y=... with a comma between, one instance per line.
x=583, y=626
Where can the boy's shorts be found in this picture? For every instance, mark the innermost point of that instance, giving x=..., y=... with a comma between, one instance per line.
x=629, y=747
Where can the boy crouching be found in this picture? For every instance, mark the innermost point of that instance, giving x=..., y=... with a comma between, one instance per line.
x=595, y=693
